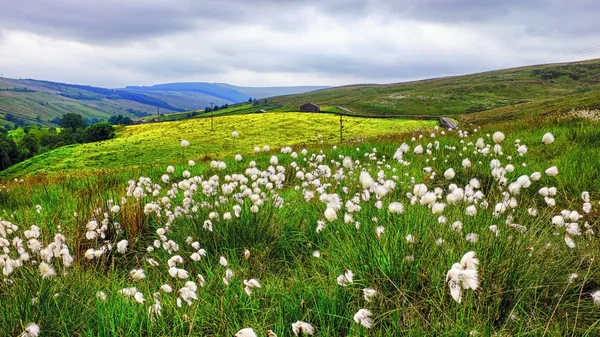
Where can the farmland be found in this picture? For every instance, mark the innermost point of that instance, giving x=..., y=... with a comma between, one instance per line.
x=150, y=145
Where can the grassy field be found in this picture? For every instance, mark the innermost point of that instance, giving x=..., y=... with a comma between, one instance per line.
x=460, y=95
x=528, y=281
x=234, y=109
x=401, y=229
x=158, y=143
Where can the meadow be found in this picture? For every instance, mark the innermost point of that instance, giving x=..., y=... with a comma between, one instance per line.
x=153, y=144
x=500, y=94
x=481, y=231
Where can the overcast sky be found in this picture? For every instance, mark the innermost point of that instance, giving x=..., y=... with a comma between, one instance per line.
x=114, y=43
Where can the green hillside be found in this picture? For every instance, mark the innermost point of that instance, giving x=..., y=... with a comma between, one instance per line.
x=464, y=95
x=39, y=102
x=154, y=144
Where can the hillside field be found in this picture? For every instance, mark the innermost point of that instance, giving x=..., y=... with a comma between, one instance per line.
x=158, y=143
x=482, y=94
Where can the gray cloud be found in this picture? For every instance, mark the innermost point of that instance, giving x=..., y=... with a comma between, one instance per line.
x=272, y=42
x=117, y=21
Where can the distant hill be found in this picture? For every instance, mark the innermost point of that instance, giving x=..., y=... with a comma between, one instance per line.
x=228, y=94
x=36, y=102
x=265, y=92
x=42, y=102
x=513, y=93
x=205, y=93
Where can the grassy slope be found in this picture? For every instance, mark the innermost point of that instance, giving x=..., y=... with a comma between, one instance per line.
x=462, y=94
x=537, y=109
x=524, y=289
x=233, y=109
x=158, y=143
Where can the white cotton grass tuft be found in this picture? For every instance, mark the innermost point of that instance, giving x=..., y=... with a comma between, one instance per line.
x=463, y=275
x=32, y=330
x=396, y=207
x=596, y=297
x=139, y=297
x=330, y=214
x=552, y=171
x=46, y=270
x=235, y=134
x=498, y=137
x=379, y=230
x=369, y=293
x=223, y=261
x=101, y=295
x=302, y=328
x=184, y=143
x=346, y=278
x=363, y=317
x=246, y=332
x=137, y=274
x=547, y=138
x=122, y=246
x=449, y=174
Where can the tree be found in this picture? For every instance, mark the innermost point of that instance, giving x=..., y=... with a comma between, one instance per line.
x=99, y=131
x=120, y=120
x=72, y=121
x=30, y=144
x=9, y=154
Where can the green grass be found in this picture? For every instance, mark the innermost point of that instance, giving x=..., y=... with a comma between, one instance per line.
x=235, y=109
x=459, y=95
x=159, y=143
x=524, y=289
x=536, y=109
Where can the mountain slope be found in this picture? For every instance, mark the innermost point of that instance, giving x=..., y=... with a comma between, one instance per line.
x=460, y=95
x=41, y=102
x=265, y=92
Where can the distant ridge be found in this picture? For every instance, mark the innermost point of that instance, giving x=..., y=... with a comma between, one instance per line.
x=39, y=102
x=265, y=92
x=229, y=94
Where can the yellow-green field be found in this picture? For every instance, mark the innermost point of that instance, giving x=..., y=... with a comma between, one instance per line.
x=159, y=143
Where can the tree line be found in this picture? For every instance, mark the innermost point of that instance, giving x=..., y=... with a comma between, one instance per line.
x=37, y=140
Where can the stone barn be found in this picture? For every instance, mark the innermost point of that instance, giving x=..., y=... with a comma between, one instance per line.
x=309, y=107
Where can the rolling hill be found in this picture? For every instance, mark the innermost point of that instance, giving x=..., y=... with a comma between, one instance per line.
x=35, y=102
x=275, y=129
x=41, y=102
x=476, y=96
